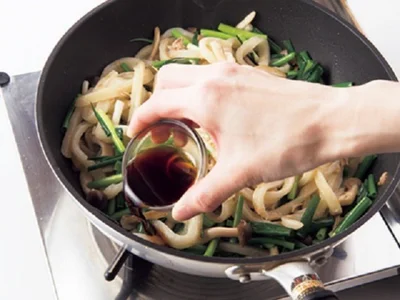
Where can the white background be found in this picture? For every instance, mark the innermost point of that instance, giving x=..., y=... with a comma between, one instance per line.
x=29, y=30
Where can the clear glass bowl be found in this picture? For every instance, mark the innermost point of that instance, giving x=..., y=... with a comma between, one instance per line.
x=171, y=133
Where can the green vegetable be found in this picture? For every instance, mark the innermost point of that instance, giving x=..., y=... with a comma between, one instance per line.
x=184, y=61
x=125, y=67
x=118, y=215
x=100, y=158
x=343, y=84
x=299, y=245
x=140, y=228
x=269, y=229
x=118, y=167
x=216, y=34
x=109, y=129
x=236, y=31
x=120, y=202
x=195, y=39
x=371, y=186
x=309, y=68
x=292, y=74
x=272, y=241
x=304, y=56
x=316, y=74
x=105, y=182
x=317, y=225
x=111, y=207
x=363, y=191
x=352, y=216
x=69, y=114
x=274, y=46
x=321, y=234
x=308, y=215
x=212, y=246
x=196, y=249
x=207, y=222
x=276, y=56
x=364, y=166
x=284, y=60
x=293, y=191
x=142, y=40
x=120, y=133
x=288, y=46
x=177, y=34
x=105, y=162
x=238, y=211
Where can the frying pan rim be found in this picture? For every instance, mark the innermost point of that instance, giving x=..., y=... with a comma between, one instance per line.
x=177, y=253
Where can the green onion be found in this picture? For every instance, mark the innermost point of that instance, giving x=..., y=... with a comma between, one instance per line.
x=207, y=222
x=236, y=31
x=274, y=46
x=299, y=245
x=270, y=229
x=321, y=234
x=309, y=68
x=371, y=186
x=100, y=158
x=216, y=34
x=304, y=56
x=315, y=76
x=229, y=223
x=69, y=114
x=293, y=191
x=238, y=215
x=105, y=162
x=288, y=46
x=142, y=40
x=120, y=201
x=364, y=166
x=317, y=225
x=363, y=191
x=140, y=228
x=177, y=34
x=180, y=60
x=276, y=56
x=118, y=167
x=120, y=133
x=274, y=241
x=352, y=216
x=238, y=212
x=343, y=84
x=105, y=182
x=292, y=74
x=302, y=66
x=125, y=67
x=118, y=215
x=195, y=39
x=212, y=246
x=111, y=207
x=196, y=249
x=308, y=215
x=109, y=129
x=284, y=60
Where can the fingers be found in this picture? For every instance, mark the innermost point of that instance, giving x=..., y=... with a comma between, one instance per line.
x=205, y=196
x=163, y=104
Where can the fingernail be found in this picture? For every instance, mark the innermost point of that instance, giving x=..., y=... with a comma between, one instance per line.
x=181, y=211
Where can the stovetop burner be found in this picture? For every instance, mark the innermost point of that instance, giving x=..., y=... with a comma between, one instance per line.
x=78, y=254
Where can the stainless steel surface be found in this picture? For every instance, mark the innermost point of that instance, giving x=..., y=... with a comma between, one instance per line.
x=78, y=253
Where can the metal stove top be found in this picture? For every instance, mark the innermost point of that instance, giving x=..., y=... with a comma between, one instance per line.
x=78, y=253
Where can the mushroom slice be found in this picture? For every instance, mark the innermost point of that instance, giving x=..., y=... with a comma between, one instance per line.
x=351, y=186
x=129, y=222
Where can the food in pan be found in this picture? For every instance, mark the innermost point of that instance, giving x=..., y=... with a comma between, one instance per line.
x=266, y=219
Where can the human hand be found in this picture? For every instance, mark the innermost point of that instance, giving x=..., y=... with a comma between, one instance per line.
x=265, y=127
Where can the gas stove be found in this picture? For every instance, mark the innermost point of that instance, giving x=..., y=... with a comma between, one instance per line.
x=78, y=254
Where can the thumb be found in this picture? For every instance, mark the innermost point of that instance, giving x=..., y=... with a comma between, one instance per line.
x=206, y=195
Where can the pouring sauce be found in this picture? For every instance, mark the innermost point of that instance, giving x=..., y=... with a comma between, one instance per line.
x=160, y=176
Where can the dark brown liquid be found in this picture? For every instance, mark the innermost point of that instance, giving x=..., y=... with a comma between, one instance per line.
x=161, y=175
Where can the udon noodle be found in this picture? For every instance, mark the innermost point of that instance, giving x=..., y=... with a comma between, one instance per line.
x=127, y=83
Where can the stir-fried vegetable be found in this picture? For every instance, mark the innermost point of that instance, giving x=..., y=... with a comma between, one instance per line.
x=267, y=219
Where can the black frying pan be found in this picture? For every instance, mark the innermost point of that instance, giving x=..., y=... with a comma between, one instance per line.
x=104, y=35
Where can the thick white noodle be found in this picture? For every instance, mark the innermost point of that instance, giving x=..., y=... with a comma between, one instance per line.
x=137, y=88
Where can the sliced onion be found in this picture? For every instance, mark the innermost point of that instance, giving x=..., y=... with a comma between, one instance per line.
x=291, y=223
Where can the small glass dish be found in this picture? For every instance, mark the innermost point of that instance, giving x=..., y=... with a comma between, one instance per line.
x=161, y=162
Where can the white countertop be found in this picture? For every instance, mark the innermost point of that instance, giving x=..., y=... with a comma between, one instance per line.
x=29, y=31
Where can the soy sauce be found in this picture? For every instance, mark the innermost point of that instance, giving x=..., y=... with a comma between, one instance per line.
x=160, y=176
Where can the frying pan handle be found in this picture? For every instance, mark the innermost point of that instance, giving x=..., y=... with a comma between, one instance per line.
x=300, y=281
